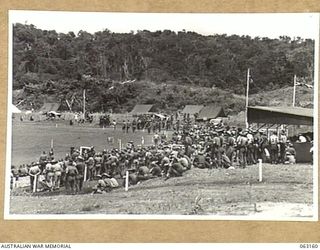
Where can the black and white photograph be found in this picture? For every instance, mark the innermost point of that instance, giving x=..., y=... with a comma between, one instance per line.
x=209, y=116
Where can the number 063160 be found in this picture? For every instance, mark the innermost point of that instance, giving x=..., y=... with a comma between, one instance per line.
x=308, y=245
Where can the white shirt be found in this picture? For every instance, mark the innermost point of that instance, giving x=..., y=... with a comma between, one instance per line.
x=302, y=138
x=283, y=138
x=250, y=138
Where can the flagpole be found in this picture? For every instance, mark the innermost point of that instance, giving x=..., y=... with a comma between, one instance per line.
x=84, y=103
x=247, y=98
x=294, y=90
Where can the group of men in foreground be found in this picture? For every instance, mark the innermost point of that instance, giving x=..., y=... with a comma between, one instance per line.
x=204, y=146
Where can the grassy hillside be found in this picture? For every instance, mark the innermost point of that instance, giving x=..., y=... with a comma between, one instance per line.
x=169, y=69
x=284, y=97
x=120, y=98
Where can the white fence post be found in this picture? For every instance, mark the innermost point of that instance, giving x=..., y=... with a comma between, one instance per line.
x=35, y=183
x=260, y=170
x=127, y=181
x=85, y=174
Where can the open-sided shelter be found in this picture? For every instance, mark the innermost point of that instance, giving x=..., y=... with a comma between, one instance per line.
x=274, y=117
x=280, y=115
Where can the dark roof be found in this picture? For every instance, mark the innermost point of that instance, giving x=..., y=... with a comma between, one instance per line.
x=192, y=109
x=141, y=108
x=50, y=106
x=211, y=112
x=280, y=115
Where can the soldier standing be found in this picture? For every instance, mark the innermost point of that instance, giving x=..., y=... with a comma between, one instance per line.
x=71, y=175
x=273, y=142
x=90, y=166
x=282, y=145
x=79, y=178
x=127, y=126
x=134, y=125
x=43, y=160
x=250, y=149
x=34, y=173
x=242, y=149
x=230, y=146
x=215, y=149
x=57, y=169
x=98, y=164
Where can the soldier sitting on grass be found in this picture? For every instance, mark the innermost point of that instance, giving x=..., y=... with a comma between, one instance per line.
x=105, y=184
x=176, y=169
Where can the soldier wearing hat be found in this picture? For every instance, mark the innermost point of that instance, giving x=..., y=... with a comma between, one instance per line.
x=230, y=145
x=155, y=169
x=282, y=145
x=33, y=172
x=112, y=162
x=75, y=154
x=90, y=167
x=216, y=146
x=250, y=148
x=134, y=125
x=165, y=161
x=80, y=165
x=143, y=173
x=49, y=173
x=105, y=184
x=273, y=144
x=43, y=160
x=242, y=148
x=71, y=174
x=175, y=168
x=97, y=164
x=104, y=159
x=290, y=154
x=57, y=169
x=200, y=161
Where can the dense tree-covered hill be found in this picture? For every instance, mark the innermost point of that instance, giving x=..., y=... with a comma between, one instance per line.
x=167, y=68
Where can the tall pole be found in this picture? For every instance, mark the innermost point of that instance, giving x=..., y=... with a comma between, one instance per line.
x=84, y=103
x=294, y=90
x=247, y=98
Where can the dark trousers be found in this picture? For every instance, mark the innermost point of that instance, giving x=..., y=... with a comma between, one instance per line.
x=273, y=153
x=216, y=156
x=242, y=157
x=282, y=152
x=250, y=155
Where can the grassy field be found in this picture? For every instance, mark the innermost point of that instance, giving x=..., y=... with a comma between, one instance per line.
x=286, y=190
x=30, y=139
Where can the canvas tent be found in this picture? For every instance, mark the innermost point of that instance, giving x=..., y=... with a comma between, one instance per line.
x=49, y=106
x=141, y=109
x=192, y=109
x=15, y=110
x=210, y=112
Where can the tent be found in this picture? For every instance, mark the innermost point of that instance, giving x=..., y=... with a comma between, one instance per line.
x=49, y=106
x=15, y=110
x=141, y=109
x=210, y=112
x=192, y=109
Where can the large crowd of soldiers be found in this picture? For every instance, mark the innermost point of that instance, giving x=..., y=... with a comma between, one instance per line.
x=208, y=146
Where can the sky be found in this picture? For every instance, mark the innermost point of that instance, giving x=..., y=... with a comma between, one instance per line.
x=304, y=25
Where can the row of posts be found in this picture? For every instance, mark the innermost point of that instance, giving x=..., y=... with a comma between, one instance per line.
x=127, y=172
